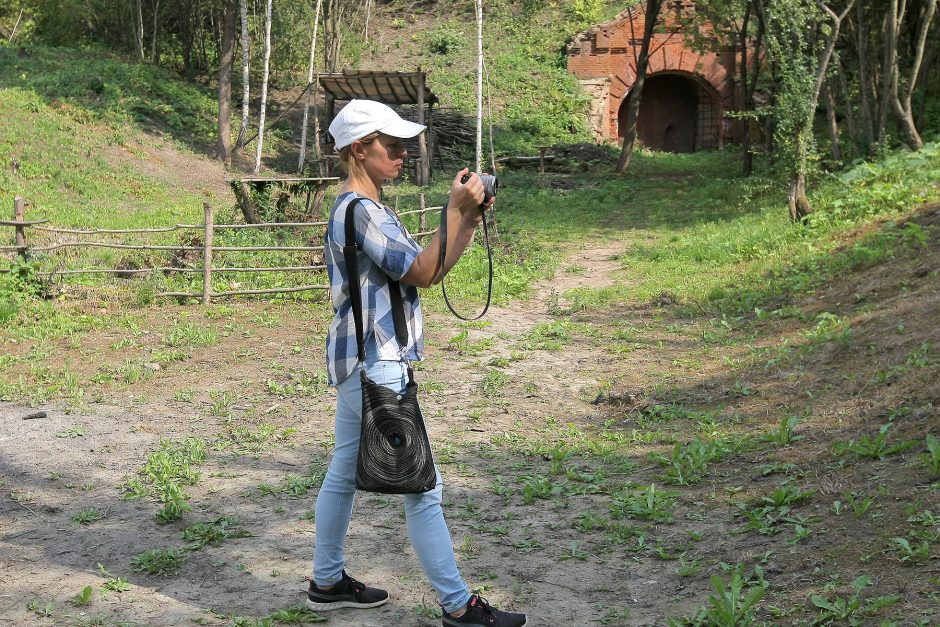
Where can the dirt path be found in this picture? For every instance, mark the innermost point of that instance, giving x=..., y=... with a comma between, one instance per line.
x=55, y=468
x=532, y=413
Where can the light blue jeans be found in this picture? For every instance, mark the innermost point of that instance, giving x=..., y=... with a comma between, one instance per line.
x=424, y=514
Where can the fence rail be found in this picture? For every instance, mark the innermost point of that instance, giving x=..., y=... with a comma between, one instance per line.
x=207, y=249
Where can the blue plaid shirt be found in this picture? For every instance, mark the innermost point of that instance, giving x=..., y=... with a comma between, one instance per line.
x=386, y=250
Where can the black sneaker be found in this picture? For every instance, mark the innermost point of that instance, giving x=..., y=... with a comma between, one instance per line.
x=480, y=614
x=346, y=593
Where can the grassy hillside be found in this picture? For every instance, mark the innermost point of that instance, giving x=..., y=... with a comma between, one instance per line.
x=92, y=140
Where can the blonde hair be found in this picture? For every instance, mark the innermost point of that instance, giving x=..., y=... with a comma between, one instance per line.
x=346, y=160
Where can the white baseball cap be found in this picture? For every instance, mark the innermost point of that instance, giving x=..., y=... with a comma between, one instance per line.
x=364, y=117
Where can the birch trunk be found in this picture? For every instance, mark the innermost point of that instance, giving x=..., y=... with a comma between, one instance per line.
x=478, y=162
x=264, y=85
x=156, y=25
x=310, y=77
x=139, y=30
x=243, y=129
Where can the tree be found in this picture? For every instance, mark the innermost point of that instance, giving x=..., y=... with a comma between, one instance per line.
x=901, y=97
x=801, y=42
x=310, y=78
x=224, y=143
x=334, y=13
x=264, y=86
x=729, y=22
x=246, y=57
x=651, y=15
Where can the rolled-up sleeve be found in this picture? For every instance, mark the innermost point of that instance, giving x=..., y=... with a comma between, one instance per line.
x=385, y=240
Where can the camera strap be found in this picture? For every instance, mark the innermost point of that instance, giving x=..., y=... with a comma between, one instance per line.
x=489, y=255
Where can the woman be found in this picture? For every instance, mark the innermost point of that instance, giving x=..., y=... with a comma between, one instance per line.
x=369, y=138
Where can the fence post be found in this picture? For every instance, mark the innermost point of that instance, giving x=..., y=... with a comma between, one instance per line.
x=422, y=217
x=19, y=213
x=207, y=256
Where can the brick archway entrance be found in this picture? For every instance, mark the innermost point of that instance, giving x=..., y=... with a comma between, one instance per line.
x=603, y=58
x=678, y=113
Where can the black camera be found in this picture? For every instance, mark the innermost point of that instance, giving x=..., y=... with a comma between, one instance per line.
x=490, y=186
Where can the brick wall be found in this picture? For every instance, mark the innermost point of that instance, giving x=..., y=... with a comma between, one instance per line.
x=608, y=52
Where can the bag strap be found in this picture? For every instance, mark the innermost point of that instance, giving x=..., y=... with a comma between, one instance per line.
x=355, y=293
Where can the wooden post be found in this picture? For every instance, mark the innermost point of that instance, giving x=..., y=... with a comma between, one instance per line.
x=431, y=142
x=19, y=213
x=207, y=256
x=318, y=201
x=422, y=217
x=423, y=170
x=542, y=150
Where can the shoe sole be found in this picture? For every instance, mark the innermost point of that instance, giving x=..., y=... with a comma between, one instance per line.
x=338, y=605
x=449, y=623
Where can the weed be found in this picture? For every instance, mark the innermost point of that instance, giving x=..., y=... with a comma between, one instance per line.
x=169, y=468
x=296, y=486
x=874, y=448
x=114, y=584
x=212, y=533
x=784, y=435
x=850, y=609
x=77, y=431
x=495, y=382
x=731, y=605
x=859, y=502
x=910, y=553
x=87, y=516
x=44, y=610
x=165, y=562
x=83, y=597
x=931, y=459
x=575, y=552
x=687, y=464
x=687, y=568
x=648, y=503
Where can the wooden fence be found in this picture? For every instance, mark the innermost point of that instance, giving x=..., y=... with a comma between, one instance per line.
x=22, y=249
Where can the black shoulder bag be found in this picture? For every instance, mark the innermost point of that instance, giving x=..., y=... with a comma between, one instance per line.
x=394, y=450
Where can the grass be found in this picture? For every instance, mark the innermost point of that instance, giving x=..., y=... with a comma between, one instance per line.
x=722, y=248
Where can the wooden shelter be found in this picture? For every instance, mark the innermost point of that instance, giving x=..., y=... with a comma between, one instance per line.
x=391, y=88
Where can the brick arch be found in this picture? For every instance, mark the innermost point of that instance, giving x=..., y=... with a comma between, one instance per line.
x=697, y=107
x=603, y=58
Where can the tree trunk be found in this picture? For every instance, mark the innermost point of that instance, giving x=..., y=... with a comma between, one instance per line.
x=832, y=121
x=264, y=85
x=366, y=18
x=226, y=55
x=851, y=128
x=636, y=92
x=243, y=129
x=139, y=30
x=889, y=64
x=749, y=81
x=310, y=78
x=797, y=201
x=902, y=101
x=799, y=204
x=866, y=97
x=332, y=32
x=156, y=25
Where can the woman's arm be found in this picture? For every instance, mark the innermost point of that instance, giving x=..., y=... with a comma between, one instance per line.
x=463, y=216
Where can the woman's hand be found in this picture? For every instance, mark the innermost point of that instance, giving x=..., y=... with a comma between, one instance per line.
x=466, y=197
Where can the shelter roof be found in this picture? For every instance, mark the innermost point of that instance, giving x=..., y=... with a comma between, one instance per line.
x=388, y=87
